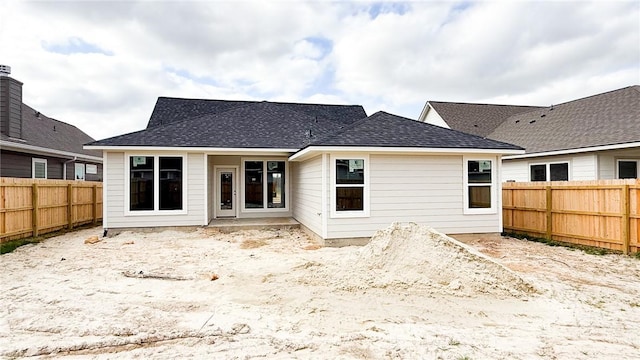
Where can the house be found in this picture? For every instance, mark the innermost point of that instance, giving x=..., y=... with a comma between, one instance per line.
x=33, y=145
x=339, y=173
x=597, y=137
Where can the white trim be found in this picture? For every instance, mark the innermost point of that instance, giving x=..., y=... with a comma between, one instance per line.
x=499, y=192
x=156, y=186
x=324, y=193
x=311, y=150
x=265, y=202
x=493, y=186
x=206, y=190
x=75, y=171
x=8, y=145
x=365, y=212
x=216, y=192
x=207, y=150
x=574, y=151
x=617, y=169
x=33, y=167
x=105, y=187
x=548, y=169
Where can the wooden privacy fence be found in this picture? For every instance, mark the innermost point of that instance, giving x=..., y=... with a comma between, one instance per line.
x=603, y=213
x=31, y=207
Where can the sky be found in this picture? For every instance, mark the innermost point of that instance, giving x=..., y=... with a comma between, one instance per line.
x=101, y=65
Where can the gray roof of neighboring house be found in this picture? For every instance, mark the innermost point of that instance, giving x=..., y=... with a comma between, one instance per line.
x=245, y=125
x=168, y=110
x=604, y=119
x=477, y=119
x=387, y=130
x=45, y=132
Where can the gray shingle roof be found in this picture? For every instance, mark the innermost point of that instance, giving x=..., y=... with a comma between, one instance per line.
x=604, y=119
x=244, y=125
x=42, y=131
x=387, y=130
x=477, y=119
x=168, y=110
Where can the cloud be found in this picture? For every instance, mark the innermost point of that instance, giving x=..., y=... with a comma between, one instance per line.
x=101, y=65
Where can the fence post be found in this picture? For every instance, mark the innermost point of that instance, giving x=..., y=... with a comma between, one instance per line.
x=625, y=219
x=95, y=204
x=34, y=214
x=549, y=213
x=70, y=206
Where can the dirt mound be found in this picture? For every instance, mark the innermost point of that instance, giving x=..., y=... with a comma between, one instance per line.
x=409, y=255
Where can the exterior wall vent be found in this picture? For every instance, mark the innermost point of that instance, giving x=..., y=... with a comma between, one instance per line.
x=5, y=70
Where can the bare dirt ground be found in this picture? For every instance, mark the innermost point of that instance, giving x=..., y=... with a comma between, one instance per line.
x=409, y=294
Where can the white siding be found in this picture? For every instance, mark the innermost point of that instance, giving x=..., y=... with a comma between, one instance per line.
x=435, y=119
x=581, y=166
x=306, y=185
x=117, y=201
x=607, y=161
x=422, y=189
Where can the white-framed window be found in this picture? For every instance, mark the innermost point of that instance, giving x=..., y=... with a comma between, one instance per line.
x=627, y=168
x=92, y=169
x=265, y=185
x=79, y=171
x=480, y=185
x=38, y=168
x=555, y=171
x=155, y=184
x=350, y=185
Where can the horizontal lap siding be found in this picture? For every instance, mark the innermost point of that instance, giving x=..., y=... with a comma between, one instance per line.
x=307, y=191
x=116, y=197
x=422, y=189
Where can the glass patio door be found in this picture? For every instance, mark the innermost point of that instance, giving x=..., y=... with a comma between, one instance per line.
x=226, y=193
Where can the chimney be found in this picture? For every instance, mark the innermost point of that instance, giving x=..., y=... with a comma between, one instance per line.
x=10, y=104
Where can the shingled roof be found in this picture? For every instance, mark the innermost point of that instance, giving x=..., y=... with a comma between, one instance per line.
x=238, y=124
x=45, y=132
x=604, y=119
x=168, y=110
x=387, y=130
x=477, y=119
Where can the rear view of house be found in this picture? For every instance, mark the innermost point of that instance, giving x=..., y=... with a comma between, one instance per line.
x=36, y=146
x=339, y=173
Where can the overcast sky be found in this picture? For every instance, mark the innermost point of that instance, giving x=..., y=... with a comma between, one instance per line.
x=102, y=65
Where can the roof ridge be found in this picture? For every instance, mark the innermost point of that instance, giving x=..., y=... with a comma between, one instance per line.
x=258, y=101
x=484, y=104
x=600, y=94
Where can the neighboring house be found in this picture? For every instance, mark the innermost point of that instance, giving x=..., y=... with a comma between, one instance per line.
x=35, y=146
x=339, y=173
x=597, y=137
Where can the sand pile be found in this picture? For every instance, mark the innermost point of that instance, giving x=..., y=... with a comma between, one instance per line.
x=411, y=256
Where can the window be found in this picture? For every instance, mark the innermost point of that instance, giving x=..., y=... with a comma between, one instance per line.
x=627, y=169
x=479, y=183
x=38, y=168
x=350, y=194
x=550, y=172
x=349, y=184
x=265, y=184
x=79, y=171
x=156, y=183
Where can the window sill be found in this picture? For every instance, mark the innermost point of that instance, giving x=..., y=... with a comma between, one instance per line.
x=155, y=212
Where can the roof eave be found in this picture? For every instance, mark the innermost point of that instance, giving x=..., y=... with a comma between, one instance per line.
x=311, y=151
x=9, y=145
x=114, y=148
x=574, y=151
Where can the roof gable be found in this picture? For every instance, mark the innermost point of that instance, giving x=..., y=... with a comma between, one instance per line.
x=603, y=119
x=387, y=130
x=477, y=119
x=250, y=125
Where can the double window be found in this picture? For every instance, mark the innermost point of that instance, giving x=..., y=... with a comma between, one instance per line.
x=549, y=172
x=156, y=183
x=264, y=184
x=628, y=169
x=350, y=186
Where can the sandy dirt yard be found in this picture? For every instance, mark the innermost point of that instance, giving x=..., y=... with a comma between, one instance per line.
x=410, y=294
